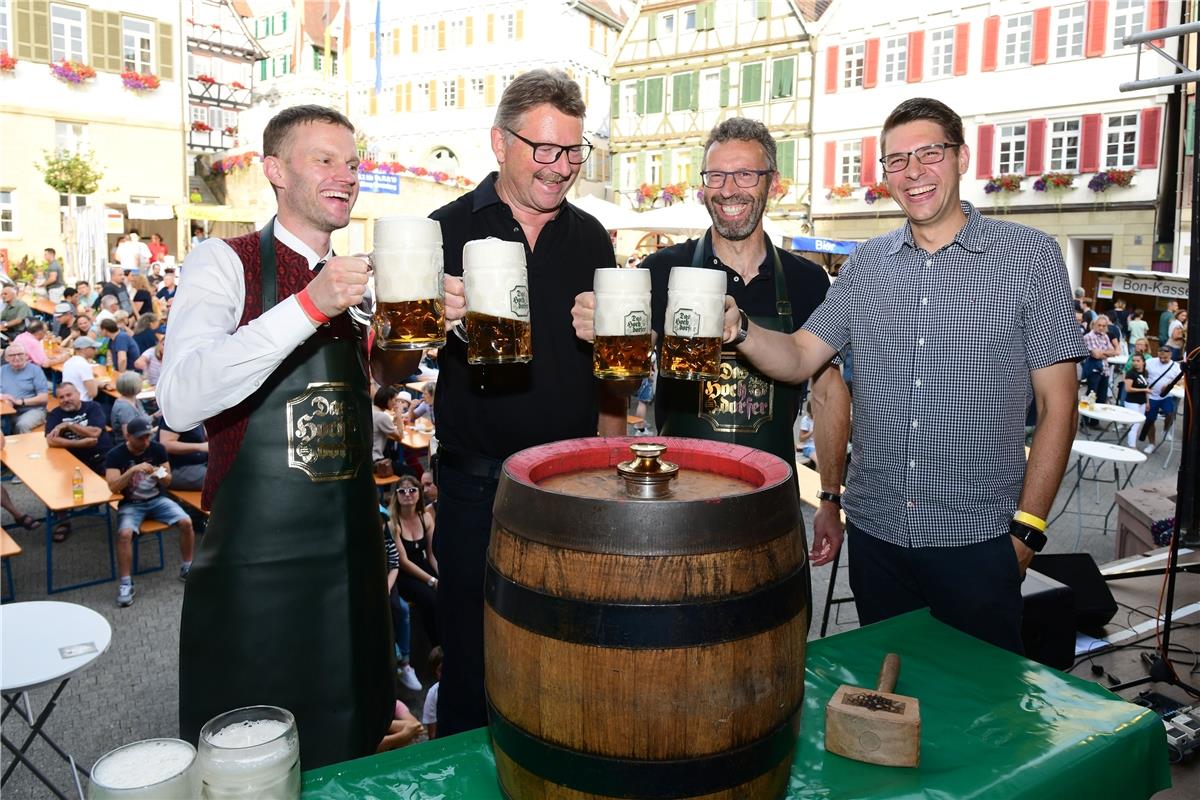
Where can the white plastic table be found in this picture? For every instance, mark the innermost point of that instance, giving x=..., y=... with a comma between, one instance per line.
x=1112, y=416
x=41, y=643
x=1086, y=451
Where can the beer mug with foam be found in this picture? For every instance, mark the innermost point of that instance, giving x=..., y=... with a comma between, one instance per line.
x=694, y=323
x=497, y=289
x=409, y=297
x=622, y=346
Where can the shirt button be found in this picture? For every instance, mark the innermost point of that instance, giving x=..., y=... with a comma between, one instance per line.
x=736, y=279
x=912, y=464
x=911, y=504
x=915, y=423
x=917, y=383
x=924, y=301
x=929, y=263
x=921, y=341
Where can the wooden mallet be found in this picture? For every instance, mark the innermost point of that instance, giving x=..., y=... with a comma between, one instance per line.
x=875, y=726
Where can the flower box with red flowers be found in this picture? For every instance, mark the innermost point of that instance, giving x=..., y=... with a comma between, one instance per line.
x=236, y=85
x=72, y=72
x=1055, y=182
x=840, y=192
x=780, y=188
x=139, y=81
x=1003, y=183
x=208, y=80
x=7, y=62
x=229, y=130
x=1103, y=181
x=877, y=191
x=201, y=127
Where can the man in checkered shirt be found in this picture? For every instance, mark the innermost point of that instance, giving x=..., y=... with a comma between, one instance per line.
x=954, y=320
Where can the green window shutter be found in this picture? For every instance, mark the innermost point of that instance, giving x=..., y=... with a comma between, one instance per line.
x=751, y=88
x=262, y=69
x=725, y=86
x=694, y=103
x=615, y=108
x=282, y=22
x=112, y=43
x=99, y=55
x=166, y=51
x=316, y=54
x=762, y=8
x=681, y=90
x=1191, y=123
x=32, y=27
x=641, y=169
x=654, y=95
x=705, y=16
x=651, y=26
x=641, y=97
x=785, y=153
x=666, y=168
x=782, y=77
x=694, y=167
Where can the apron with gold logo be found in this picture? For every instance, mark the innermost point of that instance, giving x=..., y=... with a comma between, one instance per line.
x=286, y=603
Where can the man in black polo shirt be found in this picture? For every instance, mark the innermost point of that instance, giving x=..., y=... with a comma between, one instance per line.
x=778, y=290
x=486, y=414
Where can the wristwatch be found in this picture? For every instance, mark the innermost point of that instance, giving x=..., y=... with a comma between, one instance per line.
x=832, y=497
x=1034, y=539
x=743, y=329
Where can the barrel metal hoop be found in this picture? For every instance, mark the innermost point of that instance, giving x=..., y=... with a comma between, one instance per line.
x=648, y=626
x=626, y=777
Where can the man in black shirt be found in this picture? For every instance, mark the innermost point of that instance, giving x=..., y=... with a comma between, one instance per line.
x=778, y=290
x=115, y=286
x=78, y=425
x=485, y=414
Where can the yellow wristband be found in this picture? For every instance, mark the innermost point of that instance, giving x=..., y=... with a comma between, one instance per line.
x=1037, y=523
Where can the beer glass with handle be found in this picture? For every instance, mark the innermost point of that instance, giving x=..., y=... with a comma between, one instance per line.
x=694, y=323
x=622, y=346
x=497, y=289
x=409, y=296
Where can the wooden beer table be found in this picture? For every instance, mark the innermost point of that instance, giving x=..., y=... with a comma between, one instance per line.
x=47, y=472
x=993, y=725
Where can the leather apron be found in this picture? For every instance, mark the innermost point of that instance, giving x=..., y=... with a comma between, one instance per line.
x=286, y=603
x=742, y=406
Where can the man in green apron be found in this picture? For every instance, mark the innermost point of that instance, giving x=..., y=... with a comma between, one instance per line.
x=286, y=602
x=778, y=290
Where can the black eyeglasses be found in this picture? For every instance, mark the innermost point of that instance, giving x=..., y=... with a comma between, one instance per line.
x=743, y=178
x=547, y=153
x=929, y=154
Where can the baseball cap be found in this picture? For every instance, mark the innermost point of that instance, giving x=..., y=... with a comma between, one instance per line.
x=138, y=427
x=64, y=308
x=83, y=342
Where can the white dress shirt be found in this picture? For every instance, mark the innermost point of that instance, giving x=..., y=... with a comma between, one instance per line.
x=209, y=363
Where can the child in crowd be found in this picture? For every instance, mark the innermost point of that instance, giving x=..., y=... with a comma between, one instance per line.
x=429, y=715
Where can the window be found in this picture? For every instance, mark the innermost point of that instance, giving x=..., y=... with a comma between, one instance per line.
x=282, y=65
x=710, y=89
x=1064, y=145
x=752, y=83
x=229, y=119
x=8, y=211
x=783, y=73
x=319, y=60
x=689, y=19
x=941, y=53
x=6, y=26
x=666, y=24
x=681, y=167
x=629, y=171
x=449, y=94
x=895, y=59
x=506, y=79
x=1068, y=31
x=852, y=66
x=1129, y=17
x=279, y=23
x=66, y=34
x=654, y=169
x=422, y=98
x=215, y=120
x=458, y=33
x=629, y=95
x=508, y=26
x=70, y=137
x=654, y=95
x=681, y=91
x=1012, y=150
x=136, y=36
x=198, y=114
x=1018, y=39
x=1120, y=141
x=478, y=92
x=850, y=162
x=65, y=201
x=429, y=38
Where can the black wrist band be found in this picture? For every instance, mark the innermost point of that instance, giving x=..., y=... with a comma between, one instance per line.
x=743, y=329
x=832, y=497
x=1034, y=539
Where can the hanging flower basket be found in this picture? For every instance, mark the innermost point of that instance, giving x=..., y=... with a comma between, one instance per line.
x=1003, y=183
x=840, y=192
x=1102, y=181
x=876, y=192
x=72, y=72
x=7, y=62
x=201, y=127
x=139, y=81
x=208, y=80
x=1055, y=182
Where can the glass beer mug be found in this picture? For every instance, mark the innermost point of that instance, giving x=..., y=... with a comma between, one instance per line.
x=622, y=346
x=694, y=323
x=497, y=289
x=409, y=296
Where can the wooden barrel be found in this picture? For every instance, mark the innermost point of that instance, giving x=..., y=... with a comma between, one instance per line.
x=645, y=648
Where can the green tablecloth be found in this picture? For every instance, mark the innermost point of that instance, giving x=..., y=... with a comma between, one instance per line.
x=994, y=725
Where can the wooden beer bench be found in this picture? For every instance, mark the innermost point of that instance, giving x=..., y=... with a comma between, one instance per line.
x=8, y=549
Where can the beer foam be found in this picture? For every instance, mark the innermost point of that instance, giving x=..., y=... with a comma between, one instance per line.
x=143, y=763
x=405, y=232
x=622, y=302
x=402, y=275
x=621, y=281
x=697, y=279
x=695, y=302
x=249, y=733
x=494, y=278
x=493, y=252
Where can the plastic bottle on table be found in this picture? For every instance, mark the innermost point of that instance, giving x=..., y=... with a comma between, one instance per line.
x=77, y=486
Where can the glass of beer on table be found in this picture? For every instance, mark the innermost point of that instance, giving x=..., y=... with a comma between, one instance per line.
x=497, y=290
x=155, y=769
x=409, y=296
x=622, y=346
x=251, y=753
x=694, y=323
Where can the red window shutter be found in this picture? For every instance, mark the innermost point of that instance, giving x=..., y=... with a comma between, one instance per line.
x=830, y=164
x=1041, y=36
x=1089, y=149
x=991, y=42
x=1148, y=134
x=1158, y=17
x=983, y=152
x=962, y=38
x=831, y=70
x=1035, y=147
x=868, y=161
x=916, y=55
x=1097, y=28
x=871, y=64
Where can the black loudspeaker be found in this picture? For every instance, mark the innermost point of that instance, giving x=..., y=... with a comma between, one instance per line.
x=1048, y=623
x=1094, y=604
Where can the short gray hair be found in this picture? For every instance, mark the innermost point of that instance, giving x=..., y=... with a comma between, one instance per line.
x=538, y=87
x=108, y=300
x=742, y=129
x=129, y=383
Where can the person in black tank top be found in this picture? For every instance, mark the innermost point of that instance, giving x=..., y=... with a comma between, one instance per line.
x=412, y=527
x=1137, y=389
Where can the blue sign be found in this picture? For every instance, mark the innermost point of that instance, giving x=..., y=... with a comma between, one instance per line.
x=814, y=245
x=379, y=182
